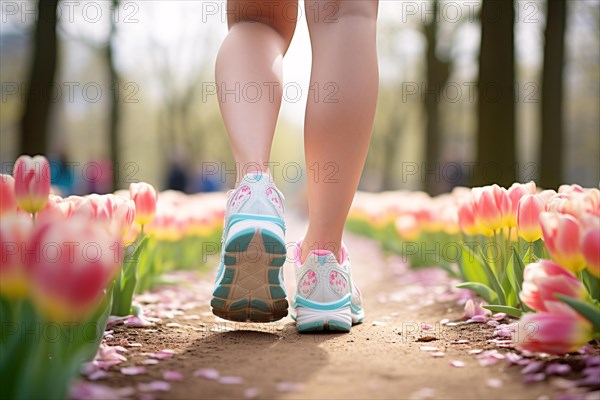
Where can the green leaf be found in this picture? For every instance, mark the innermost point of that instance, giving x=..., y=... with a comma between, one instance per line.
x=481, y=289
x=129, y=280
x=591, y=284
x=591, y=312
x=472, y=267
x=529, y=256
x=496, y=286
x=515, y=312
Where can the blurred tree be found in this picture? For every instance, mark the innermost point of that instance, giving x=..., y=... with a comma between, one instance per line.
x=113, y=133
x=34, y=122
x=552, y=95
x=496, y=152
x=437, y=76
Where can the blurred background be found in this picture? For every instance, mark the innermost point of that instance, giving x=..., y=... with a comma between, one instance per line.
x=471, y=92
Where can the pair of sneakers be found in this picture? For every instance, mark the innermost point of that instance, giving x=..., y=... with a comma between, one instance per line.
x=249, y=284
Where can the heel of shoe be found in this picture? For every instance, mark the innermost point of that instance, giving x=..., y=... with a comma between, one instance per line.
x=311, y=320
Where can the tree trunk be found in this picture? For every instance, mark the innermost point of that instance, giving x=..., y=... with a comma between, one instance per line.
x=437, y=76
x=34, y=122
x=496, y=152
x=552, y=96
x=113, y=130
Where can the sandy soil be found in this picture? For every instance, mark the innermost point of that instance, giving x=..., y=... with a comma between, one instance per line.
x=381, y=358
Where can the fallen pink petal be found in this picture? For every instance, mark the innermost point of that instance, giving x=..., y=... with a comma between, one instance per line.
x=133, y=370
x=231, y=380
x=289, y=387
x=207, y=373
x=154, y=386
x=457, y=363
x=171, y=375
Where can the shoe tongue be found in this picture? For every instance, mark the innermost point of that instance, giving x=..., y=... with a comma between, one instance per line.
x=256, y=176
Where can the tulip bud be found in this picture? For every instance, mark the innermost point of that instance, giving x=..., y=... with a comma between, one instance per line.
x=528, y=217
x=32, y=182
x=144, y=196
x=561, y=237
x=545, y=279
x=552, y=332
x=515, y=193
x=8, y=203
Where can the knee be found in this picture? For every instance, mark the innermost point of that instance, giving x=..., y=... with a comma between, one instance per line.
x=277, y=16
x=325, y=12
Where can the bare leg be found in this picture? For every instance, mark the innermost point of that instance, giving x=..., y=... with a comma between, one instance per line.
x=249, y=75
x=339, y=113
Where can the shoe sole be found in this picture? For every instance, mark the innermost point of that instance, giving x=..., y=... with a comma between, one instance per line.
x=250, y=289
x=340, y=320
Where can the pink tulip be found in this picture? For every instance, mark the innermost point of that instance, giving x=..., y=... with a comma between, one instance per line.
x=123, y=215
x=515, y=193
x=32, y=182
x=528, y=217
x=492, y=207
x=74, y=261
x=552, y=332
x=52, y=209
x=14, y=237
x=545, y=279
x=590, y=242
x=466, y=218
x=8, y=203
x=561, y=237
x=144, y=196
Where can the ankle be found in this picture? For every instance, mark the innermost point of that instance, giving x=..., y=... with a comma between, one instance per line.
x=307, y=246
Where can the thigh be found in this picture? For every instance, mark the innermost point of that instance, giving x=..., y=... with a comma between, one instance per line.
x=281, y=15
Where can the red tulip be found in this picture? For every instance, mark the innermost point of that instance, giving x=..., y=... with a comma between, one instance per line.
x=8, y=203
x=32, y=182
x=144, y=196
x=590, y=242
x=543, y=280
x=14, y=237
x=561, y=237
x=74, y=261
x=528, y=217
x=553, y=332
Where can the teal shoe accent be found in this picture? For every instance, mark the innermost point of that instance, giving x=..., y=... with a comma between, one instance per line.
x=316, y=326
x=245, y=217
x=243, y=303
x=274, y=277
x=277, y=292
x=240, y=242
x=228, y=277
x=278, y=261
x=260, y=305
x=221, y=291
x=229, y=260
x=217, y=303
x=273, y=243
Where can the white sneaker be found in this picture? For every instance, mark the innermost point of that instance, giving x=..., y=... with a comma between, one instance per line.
x=249, y=283
x=326, y=298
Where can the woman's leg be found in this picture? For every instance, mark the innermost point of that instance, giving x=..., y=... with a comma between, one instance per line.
x=249, y=75
x=339, y=113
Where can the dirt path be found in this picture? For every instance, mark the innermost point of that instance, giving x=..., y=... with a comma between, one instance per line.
x=378, y=359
